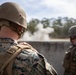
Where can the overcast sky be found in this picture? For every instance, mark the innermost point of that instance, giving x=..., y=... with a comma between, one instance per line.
x=47, y=8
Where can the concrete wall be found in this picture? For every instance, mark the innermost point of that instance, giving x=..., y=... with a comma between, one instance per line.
x=54, y=52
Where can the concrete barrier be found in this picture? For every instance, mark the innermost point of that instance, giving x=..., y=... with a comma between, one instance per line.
x=54, y=52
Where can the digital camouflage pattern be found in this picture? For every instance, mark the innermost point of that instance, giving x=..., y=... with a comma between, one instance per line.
x=69, y=63
x=28, y=62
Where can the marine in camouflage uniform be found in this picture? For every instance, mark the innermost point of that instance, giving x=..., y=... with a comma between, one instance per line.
x=69, y=63
x=28, y=61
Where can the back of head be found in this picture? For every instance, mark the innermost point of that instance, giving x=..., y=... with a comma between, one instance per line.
x=12, y=12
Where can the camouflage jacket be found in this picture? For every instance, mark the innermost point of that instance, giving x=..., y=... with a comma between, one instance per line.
x=28, y=62
x=69, y=62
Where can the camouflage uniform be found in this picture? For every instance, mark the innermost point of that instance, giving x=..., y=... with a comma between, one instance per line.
x=28, y=62
x=70, y=61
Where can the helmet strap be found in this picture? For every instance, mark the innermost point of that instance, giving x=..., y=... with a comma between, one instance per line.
x=17, y=28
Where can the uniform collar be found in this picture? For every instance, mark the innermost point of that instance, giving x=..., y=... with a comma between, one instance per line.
x=7, y=40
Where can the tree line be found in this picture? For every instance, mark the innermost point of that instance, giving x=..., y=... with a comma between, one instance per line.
x=60, y=26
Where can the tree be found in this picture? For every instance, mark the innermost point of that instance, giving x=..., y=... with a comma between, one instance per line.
x=32, y=24
x=45, y=22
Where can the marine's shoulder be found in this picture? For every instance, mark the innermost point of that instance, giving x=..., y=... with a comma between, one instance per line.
x=27, y=51
x=26, y=46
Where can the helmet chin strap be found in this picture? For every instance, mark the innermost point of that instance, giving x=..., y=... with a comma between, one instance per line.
x=4, y=23
x=18, y=29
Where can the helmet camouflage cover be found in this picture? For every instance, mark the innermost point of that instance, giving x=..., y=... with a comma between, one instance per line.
x=72, y=31
x=13, y=12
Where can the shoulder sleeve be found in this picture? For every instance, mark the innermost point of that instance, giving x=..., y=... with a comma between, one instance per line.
x=29, y=62
x=66, y=61
x=49, y=69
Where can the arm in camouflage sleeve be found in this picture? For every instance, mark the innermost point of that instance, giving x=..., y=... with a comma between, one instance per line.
x=31, y=63
x=28, y=62
x=49, y=70
x=66, y=61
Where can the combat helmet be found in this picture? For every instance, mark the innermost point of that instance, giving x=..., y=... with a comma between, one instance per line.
x=13, y=12
x=72, y=31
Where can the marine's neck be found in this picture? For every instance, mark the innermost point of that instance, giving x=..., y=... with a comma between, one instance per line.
x=6, y=32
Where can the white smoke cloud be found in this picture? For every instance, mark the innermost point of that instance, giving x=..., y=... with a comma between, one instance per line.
x=42, y=34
